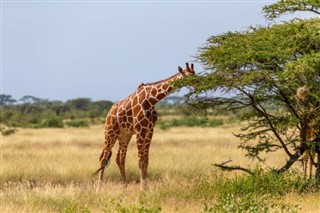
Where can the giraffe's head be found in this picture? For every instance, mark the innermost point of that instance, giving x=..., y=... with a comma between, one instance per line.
x=187, y=71
x=302, y=93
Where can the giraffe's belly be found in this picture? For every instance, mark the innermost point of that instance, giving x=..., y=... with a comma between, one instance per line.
x=126, y=128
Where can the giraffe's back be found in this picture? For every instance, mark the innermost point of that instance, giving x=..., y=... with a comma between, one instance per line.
x=135, y=111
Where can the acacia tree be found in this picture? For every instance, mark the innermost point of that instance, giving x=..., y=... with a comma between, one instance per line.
x=6, y=100
x=264, y=66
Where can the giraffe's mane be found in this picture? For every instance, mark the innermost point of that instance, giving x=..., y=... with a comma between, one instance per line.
x=157, y=82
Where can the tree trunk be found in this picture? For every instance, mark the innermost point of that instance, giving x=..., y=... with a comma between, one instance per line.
x=317, y=175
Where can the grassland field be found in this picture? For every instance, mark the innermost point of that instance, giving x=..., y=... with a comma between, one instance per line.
x=49, y=170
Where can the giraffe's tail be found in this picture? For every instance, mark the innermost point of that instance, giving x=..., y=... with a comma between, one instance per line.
x=105, y=164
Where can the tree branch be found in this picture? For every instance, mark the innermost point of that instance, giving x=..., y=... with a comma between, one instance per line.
x=263, y=112
x=273, y=129
x=299, y=152
x=223, y=167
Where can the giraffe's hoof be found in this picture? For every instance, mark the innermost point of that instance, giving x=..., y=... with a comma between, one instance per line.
x=98, y=186
x=144, y=185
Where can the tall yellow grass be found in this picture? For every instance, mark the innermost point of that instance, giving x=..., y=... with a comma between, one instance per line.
x=49, y=170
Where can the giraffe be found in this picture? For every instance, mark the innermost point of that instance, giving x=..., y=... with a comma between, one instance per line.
x=311, y=130
x=136, y=115
x=310, y=154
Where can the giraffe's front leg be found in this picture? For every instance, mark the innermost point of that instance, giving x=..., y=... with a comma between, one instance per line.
x=142, y=162
x=121, y=164
x=143, y=143
x=121, y=159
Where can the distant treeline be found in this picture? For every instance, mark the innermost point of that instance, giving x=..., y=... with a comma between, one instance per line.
x=33, y=112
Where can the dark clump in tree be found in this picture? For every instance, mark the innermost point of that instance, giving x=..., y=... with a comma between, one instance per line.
x=264, y=67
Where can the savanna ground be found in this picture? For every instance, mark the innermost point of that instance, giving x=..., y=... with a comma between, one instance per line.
x=49, y=170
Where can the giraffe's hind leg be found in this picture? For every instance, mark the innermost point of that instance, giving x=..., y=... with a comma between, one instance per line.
x=101, y=169
x=312, y=163
x=305, y=163
x=124, y=140
x=111, y=136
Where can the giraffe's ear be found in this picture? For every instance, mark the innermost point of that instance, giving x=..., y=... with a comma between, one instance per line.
x=180, y=69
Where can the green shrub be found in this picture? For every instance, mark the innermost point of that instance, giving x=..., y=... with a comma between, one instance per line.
x=257, y=185
x=190, y=121
x=261, y=183
x=215, y=122
x=120, y=207
x=260, y=192
x=163, y=125
x=52, y=122
x=76, y=209
x=78, y=123
x=250, y=204
x=233, y=120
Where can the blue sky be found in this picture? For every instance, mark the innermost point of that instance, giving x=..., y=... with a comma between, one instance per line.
x=103, y=50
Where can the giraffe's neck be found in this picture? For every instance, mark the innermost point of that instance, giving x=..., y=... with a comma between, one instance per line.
x=159, y=90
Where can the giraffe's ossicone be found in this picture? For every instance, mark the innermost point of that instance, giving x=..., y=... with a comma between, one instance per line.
x=136, y=115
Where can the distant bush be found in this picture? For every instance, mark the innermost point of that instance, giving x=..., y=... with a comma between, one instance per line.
x=215, y=122
x=52, y=122
x=191, y=121
x=78, y=123
x=233, y=120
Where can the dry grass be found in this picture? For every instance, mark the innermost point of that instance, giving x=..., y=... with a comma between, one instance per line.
x=49, y=170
